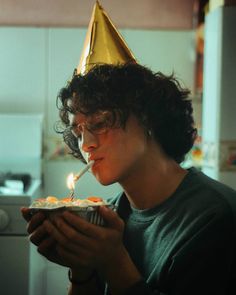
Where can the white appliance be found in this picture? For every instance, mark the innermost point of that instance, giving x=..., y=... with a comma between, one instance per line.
x=22, y=268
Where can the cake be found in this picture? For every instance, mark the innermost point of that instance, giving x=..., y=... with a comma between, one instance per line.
x=85, y=208
x=52, y=202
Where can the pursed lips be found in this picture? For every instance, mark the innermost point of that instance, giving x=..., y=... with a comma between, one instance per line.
x=96, y=160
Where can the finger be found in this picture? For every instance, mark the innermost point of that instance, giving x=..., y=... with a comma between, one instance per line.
x=54, y=232
x=71, y=233
x=26, y=213
x=35, y=221
x=80, y=258
x=63, y=244
x=46, y=244
x=81, y=225
x=111, y=218
x=37, y=236
x=48, y=249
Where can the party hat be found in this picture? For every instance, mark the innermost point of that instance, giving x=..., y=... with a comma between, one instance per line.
x=103, y=43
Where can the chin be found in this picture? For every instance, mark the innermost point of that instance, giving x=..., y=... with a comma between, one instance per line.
x=105, y=180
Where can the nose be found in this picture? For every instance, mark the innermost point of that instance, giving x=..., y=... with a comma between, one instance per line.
x=88, y=141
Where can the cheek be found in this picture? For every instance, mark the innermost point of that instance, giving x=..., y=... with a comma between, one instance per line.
x=123, y=152
x=120, y=160
x=128, y=147
x=110, y=168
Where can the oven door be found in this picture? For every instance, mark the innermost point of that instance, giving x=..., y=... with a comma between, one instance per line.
x=14, y=265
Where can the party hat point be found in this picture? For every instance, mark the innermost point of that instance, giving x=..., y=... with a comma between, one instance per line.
x=103, y=43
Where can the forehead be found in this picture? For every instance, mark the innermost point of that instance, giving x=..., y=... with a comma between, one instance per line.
x=79, y=117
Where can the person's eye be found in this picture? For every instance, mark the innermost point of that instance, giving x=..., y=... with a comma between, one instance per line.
x=98, y=126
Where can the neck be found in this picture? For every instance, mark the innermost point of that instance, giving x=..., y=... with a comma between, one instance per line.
x=152, y=183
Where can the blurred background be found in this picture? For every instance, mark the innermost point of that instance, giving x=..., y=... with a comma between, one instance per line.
x=40, y=46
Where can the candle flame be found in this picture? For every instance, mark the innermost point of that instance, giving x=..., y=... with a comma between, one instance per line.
x=70, y=181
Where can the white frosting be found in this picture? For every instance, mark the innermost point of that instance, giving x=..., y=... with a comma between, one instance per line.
x=53, y=202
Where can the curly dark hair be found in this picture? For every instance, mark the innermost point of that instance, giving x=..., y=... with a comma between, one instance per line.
x=159, y=102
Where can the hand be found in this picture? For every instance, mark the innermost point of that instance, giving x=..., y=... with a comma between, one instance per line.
x=39, y=236
x=33, y=220
x=87, y=245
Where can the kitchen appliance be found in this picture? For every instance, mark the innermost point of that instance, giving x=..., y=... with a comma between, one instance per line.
x=21, y=267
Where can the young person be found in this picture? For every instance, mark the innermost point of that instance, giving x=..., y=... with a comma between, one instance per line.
x=174, y=229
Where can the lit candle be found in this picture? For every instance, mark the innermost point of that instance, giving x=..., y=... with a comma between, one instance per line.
x=71, y=184
x=71, y=179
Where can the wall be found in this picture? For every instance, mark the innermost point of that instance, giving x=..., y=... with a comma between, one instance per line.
x=145, y=14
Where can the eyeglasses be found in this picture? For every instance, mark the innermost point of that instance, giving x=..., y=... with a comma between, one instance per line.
x=97, y=123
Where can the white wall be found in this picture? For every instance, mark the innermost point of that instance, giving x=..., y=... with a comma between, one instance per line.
x=23, y=70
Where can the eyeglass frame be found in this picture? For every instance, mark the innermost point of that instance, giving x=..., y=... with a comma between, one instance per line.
x=72, y=138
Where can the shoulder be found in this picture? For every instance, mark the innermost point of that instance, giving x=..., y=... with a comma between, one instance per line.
x=211, y=193
x=212, y=188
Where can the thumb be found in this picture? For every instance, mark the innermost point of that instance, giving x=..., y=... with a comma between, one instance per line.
x=111, y=218
x=26, y=213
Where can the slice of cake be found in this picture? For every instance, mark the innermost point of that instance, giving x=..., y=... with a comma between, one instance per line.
x=52, y=202
x=85, y=208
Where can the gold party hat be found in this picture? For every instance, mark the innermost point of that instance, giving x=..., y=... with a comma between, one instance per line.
x=103, y=43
